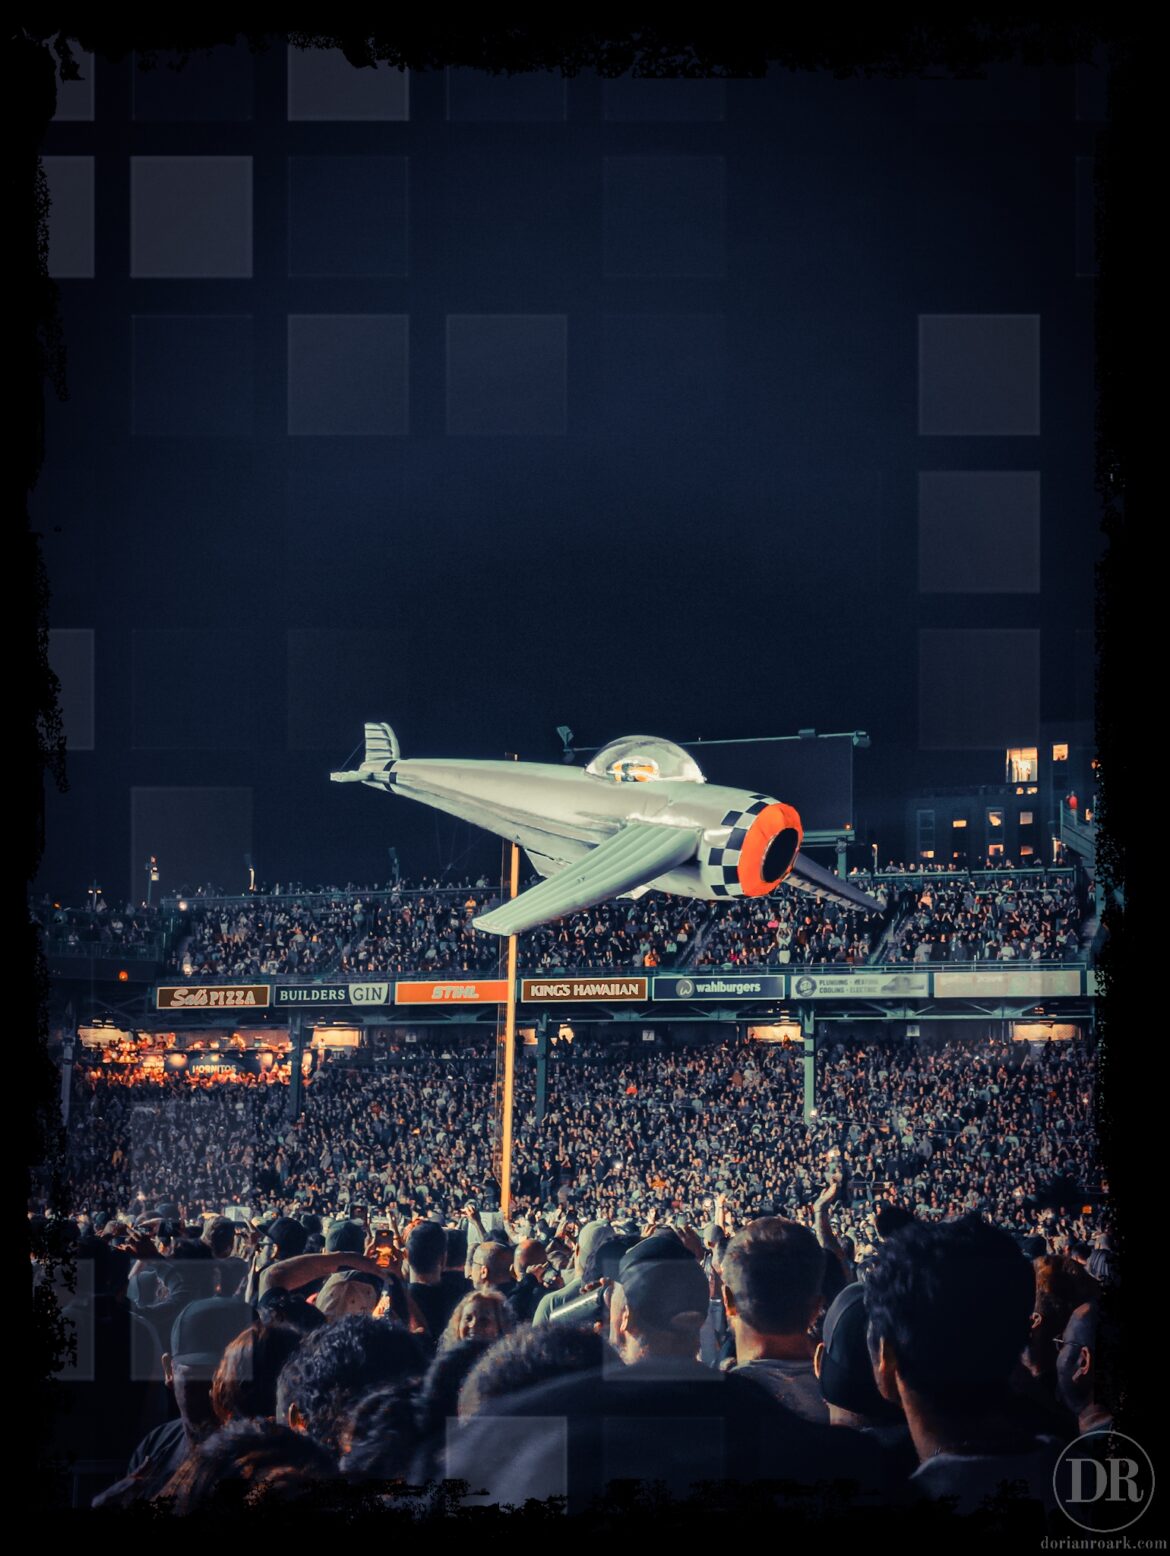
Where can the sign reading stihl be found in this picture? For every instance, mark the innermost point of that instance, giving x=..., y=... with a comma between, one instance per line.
x=538, y=990
x=483, y=991
x=217, y=996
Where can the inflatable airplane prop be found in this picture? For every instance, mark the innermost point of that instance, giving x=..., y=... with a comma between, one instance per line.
x=640, y=816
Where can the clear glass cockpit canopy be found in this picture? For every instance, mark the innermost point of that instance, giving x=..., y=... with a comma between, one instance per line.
x=644, y=759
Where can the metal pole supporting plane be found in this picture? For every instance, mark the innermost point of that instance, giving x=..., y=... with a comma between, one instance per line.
x=509, y=1059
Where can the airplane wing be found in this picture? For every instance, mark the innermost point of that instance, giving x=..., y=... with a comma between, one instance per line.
x=636, y=854
x=810, y=877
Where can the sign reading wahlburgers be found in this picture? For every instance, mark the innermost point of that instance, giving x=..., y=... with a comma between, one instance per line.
x=213, y=996
x=331, y=994
x=551, y=990
x=730, y=986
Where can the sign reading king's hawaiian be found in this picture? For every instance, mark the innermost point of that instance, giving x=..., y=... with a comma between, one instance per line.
x=213, y=996
x=538, y=991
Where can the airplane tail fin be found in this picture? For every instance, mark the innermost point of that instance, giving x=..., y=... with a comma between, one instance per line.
x=380, y=754
x=381, y=746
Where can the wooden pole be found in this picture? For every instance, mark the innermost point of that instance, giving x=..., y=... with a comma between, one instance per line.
x=509, y=1058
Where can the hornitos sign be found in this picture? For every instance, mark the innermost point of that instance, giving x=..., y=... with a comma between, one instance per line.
x=213, y=996
x=540, y=991
x=332, y=994
x=1037, y=983
x=733, y=986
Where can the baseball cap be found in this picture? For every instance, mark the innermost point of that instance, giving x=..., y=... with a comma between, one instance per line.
x=288, y=1235
x=662, y=1282
x=593, y=1234
x=202, y=1332
x=846, y=1373
x=345, y=1237
x=349, y=1291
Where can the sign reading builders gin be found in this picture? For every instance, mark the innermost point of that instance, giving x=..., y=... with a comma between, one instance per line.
x=332, y=994
x=540, y=991
x=213, y=996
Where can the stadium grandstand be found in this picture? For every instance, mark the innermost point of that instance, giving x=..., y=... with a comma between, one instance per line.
x=283, y=1111
x=396, y=412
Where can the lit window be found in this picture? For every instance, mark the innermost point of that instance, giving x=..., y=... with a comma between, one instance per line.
x=1032, y=789
x=959, y=821
x=1022, y=764
x=1026, y=818
x=995, y=818
x=927, y=853
x=995, y=850
x=1027, y=849
x=1060, y=753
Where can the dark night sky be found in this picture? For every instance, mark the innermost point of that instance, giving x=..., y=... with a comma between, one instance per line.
x=683, y=407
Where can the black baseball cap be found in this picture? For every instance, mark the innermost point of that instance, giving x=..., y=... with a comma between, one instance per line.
x=288, y=1235
x=846, y=1372
x=662, y=1282
x=203, y=1331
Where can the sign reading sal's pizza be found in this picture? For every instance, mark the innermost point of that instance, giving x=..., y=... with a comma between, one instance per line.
x=213, y=996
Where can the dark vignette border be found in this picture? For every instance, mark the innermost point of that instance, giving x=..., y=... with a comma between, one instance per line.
x=890, y=46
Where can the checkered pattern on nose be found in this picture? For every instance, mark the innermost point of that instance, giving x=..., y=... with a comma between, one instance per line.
x=721, y=867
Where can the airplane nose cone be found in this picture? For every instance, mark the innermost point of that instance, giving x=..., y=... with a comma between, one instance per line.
x=780, y=853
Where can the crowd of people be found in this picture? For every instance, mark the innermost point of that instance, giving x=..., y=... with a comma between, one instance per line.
x=408, y=932
x=99, y=927
x=791, y=928
x=1001, y=1128
x=421, y=929
x=909, y=1291
x=966, y=920
x=909, y=1294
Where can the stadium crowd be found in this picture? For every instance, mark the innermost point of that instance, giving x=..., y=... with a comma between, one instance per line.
x=910, y=1295
x=986, y=1127
x=432, y=932
x=417, y=930
x=793, y=928
x=99, y=926
x=1001, y=920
